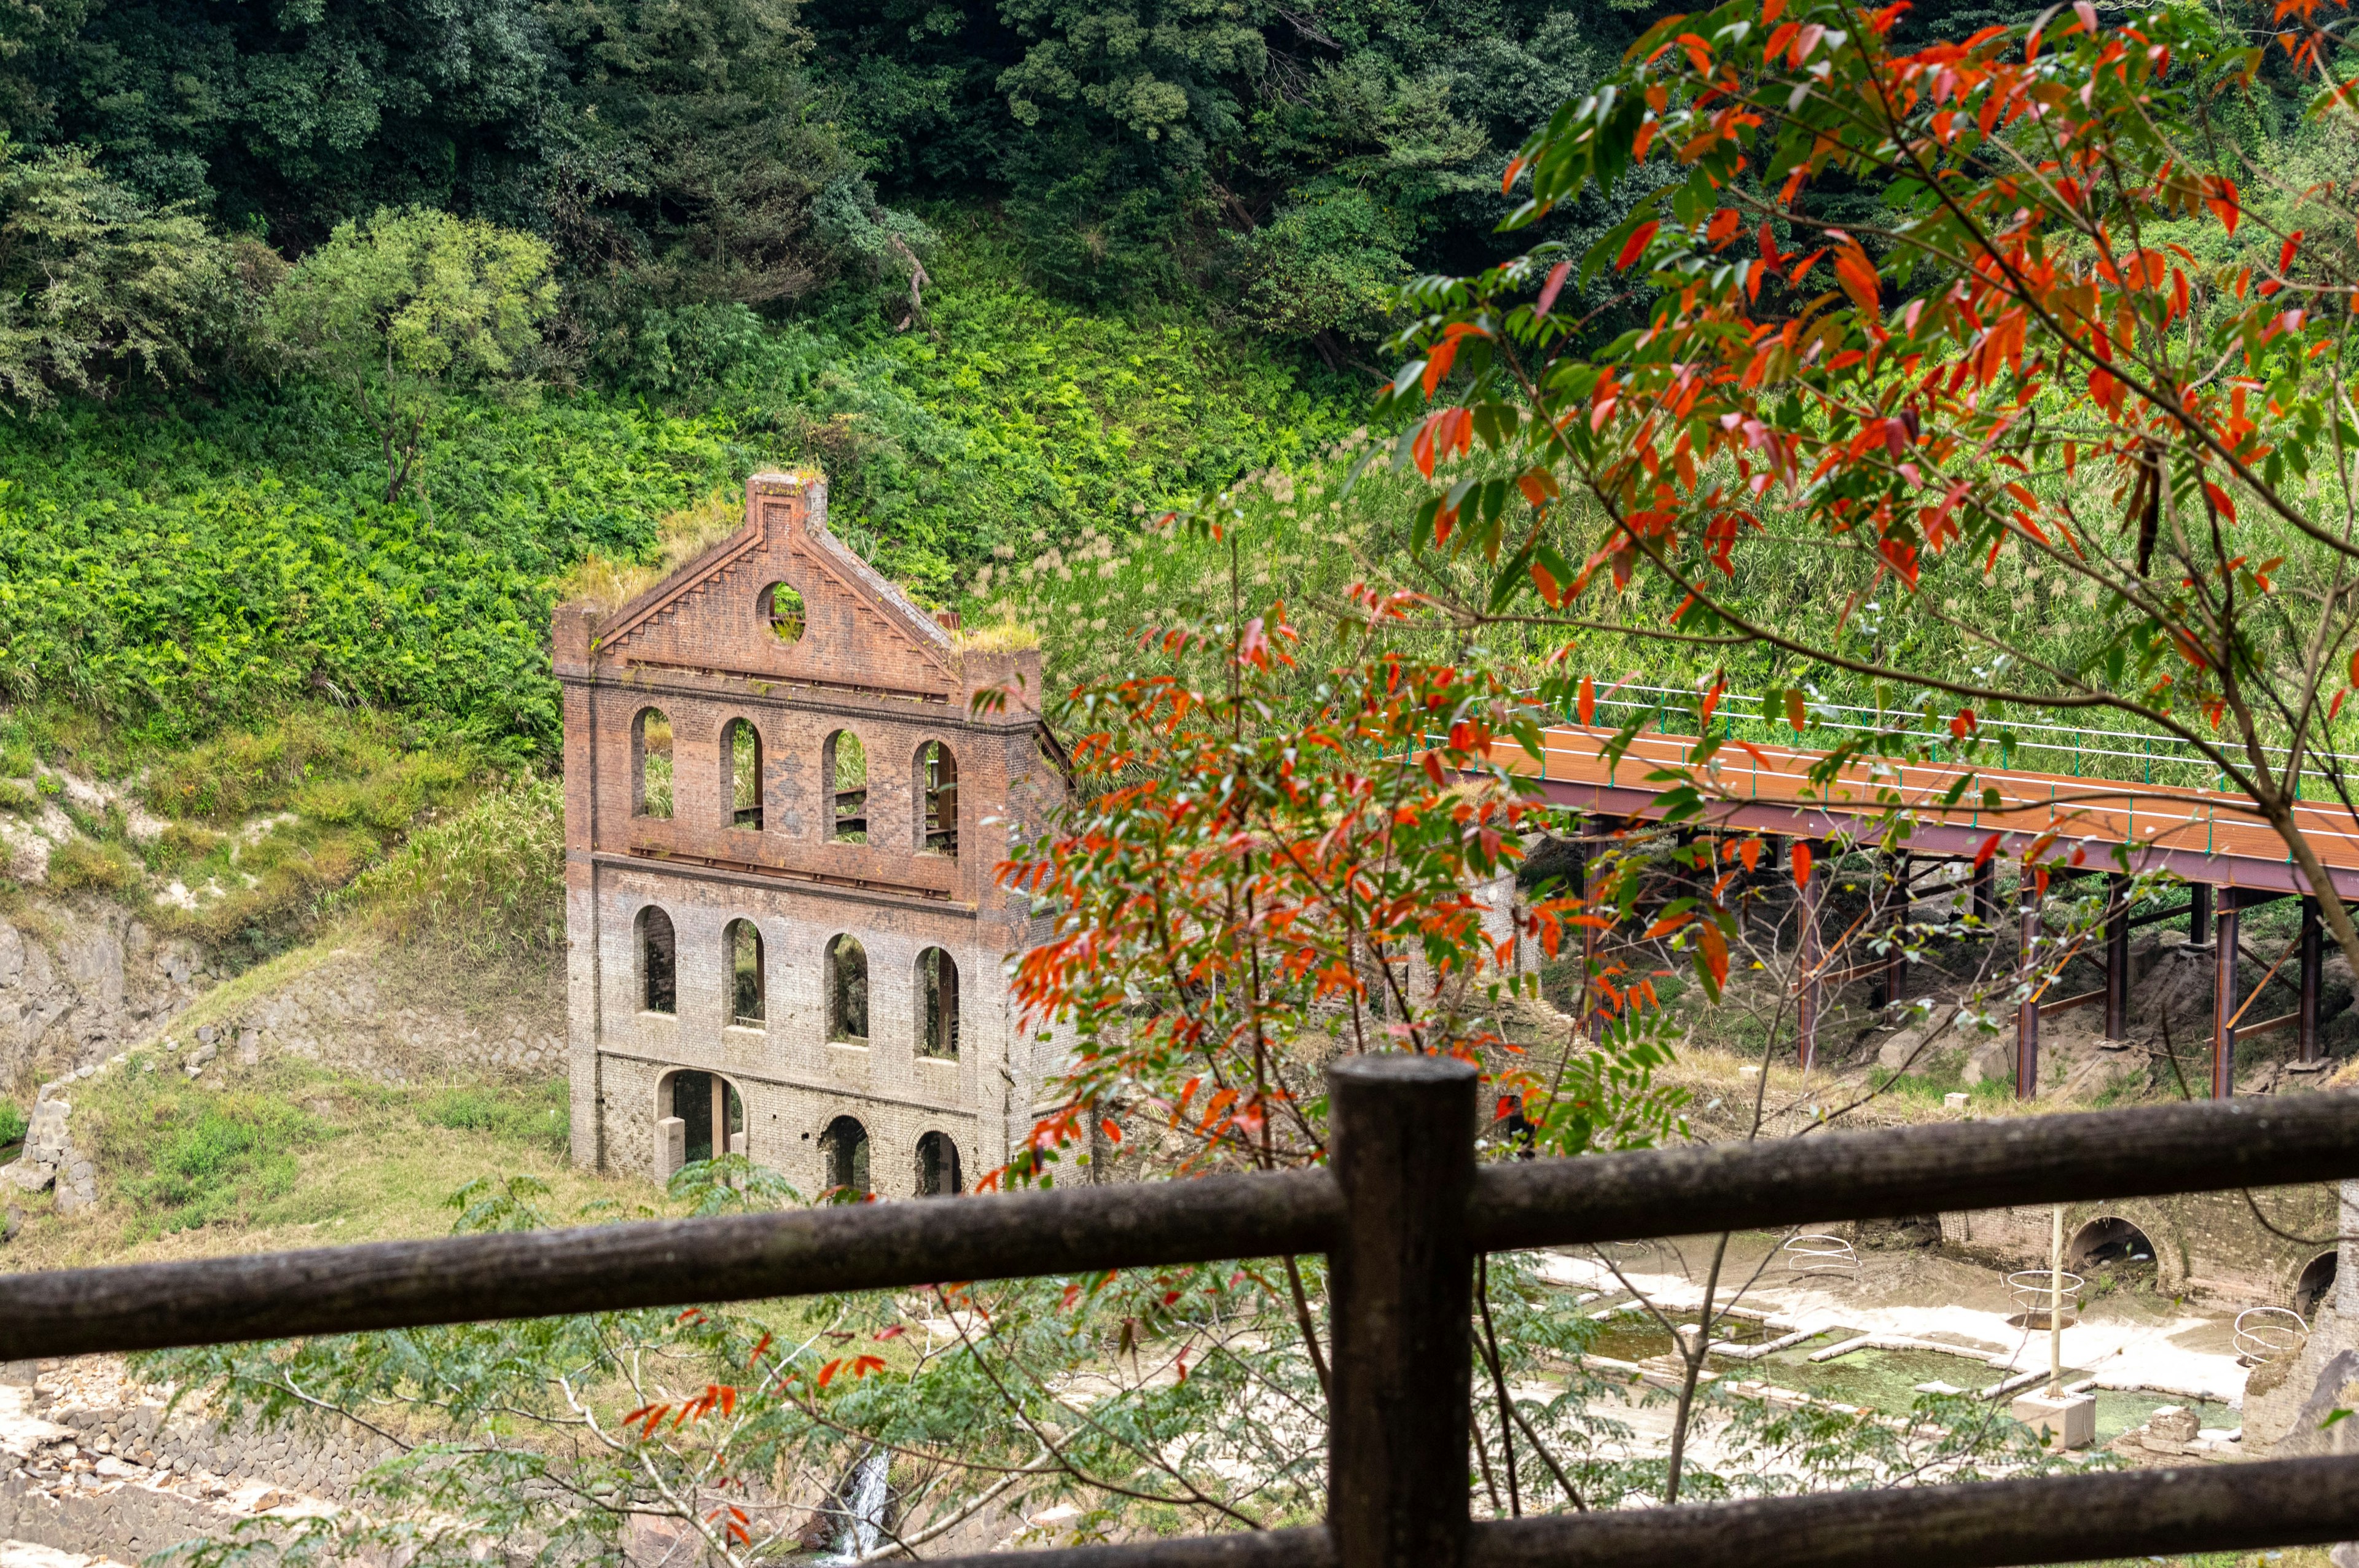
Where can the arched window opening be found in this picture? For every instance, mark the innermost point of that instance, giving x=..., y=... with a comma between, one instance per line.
x=938, y=1167
x=938, y=1010
x=704, y=1102
x=782, y=607
x=846, y=767
x=847, y=991
x=741, y=750
x=938, y=799
x=651, y=764
x=658, y=962
x=744, y=946
x=2315, y=1289
x=845, y=1144
x=2110, y=1244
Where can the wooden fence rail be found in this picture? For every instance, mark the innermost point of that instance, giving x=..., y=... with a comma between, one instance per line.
x=1401, y=1212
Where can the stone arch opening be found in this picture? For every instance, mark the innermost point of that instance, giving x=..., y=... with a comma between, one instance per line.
x=741, y=947
x=939, y=1176
x=847, y=991
x=845, y=1144
x=741, y=758
x=2315, y=1288
x=938, y=1009
x=843, y=762
x=2108, y=1243
x=658, y=962
x=712, y=1114
x=781, y=607
x=651, y=764
x=937, y=771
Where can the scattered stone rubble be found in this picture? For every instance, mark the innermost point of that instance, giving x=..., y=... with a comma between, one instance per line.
x=89, y=1464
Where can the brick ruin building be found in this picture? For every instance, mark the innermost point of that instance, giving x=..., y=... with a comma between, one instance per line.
x=782, y=812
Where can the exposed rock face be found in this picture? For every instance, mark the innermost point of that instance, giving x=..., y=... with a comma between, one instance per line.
x=79, y=980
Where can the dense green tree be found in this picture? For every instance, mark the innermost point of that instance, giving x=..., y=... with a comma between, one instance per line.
x=398, y=310
x=94, y=281
x=1298, y=160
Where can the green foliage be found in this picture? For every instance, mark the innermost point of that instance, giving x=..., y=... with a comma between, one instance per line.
x=399, y=309
x=1016, y=418
x=215, y=1157
x=669, y=152
x=535, y=1114
x=490, y=878
x=84, y=864
x=94, y=281
x=297, y=805
x=13, y=1123
x=172, y=571
x=1332, y=263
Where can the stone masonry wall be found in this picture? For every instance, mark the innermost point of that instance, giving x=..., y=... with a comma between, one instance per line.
x=2205, y=1243
x=367, y=1008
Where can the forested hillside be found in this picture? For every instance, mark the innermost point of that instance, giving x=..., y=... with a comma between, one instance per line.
x=334, y=336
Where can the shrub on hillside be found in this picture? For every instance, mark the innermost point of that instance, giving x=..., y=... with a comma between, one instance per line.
x=399, y=311
x=490, y=878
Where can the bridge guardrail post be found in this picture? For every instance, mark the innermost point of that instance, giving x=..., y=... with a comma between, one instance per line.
x=1400, y=1294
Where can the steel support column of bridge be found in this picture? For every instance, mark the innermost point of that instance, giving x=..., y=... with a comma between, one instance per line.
x=2226, y=931
x=2026, y=1013
x=2118, y=958
x=2314, y=961
x=1810, y=958
x=2229, y=1006
x=1895, y=959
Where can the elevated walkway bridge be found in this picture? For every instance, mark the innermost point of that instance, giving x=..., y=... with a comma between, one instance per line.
x=2127, y=803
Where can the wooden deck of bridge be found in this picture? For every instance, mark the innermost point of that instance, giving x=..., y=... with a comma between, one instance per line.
x=2230, y=859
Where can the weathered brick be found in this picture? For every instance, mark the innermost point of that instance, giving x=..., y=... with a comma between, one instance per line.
x=697, y=648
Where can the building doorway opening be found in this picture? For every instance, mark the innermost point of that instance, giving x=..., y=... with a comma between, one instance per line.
x=845, y=1144
x=704, y=1101
x=939, y=1176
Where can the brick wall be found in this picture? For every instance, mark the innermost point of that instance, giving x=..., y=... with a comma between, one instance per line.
x=699, y=649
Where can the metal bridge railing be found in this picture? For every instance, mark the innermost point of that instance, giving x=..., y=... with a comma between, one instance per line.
x=1401, y=1212
x=2071, y=750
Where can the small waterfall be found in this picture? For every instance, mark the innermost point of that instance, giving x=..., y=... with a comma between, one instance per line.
x=864, y=1496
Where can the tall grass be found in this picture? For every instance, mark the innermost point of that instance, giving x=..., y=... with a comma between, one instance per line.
x=607, y=581
x=489, y=878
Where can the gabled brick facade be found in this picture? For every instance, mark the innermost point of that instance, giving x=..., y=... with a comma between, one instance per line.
x=719, y=641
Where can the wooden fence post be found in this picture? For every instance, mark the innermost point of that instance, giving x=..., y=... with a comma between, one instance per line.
x=1400, y=1288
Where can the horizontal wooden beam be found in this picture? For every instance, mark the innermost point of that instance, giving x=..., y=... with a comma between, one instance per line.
x=856, y=1246
x=2066, y=1004
x=2261, y=1142
x=2204, y=1146
x=1990, y=1524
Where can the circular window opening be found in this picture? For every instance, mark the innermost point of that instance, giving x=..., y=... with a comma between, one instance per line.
x=782, y=607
